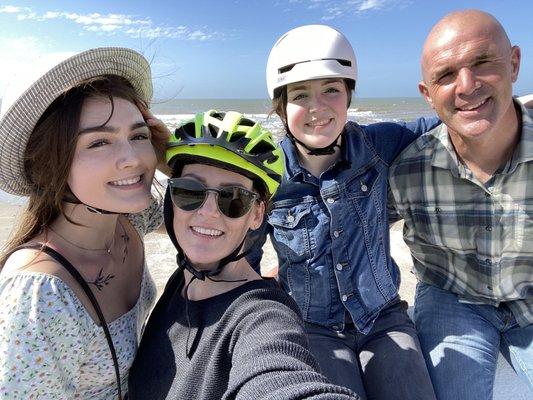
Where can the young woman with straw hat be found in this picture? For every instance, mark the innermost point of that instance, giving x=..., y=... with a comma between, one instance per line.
x=74, y=288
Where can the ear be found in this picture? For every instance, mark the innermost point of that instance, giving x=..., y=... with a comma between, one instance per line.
x=258, y=214
x=424, y=91
x=515, y=62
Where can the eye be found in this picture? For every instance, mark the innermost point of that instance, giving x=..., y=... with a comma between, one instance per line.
x=444, y=77
x=332, y=90
x=141, y=136
x=480, y=62
x=98, y=143
x=299, y=96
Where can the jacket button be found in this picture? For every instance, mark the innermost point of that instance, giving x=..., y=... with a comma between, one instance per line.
x=344, y=297
x=364, y=188
x=290, y=218
x=339, y=267
x=330, y=200
x=336, y=234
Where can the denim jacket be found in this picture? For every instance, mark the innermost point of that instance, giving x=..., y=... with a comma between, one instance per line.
x=331, y=234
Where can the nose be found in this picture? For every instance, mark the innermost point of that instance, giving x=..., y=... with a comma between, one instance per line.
x=128, y=155
x=210, y=206
x=466, y=81
x=316, y=102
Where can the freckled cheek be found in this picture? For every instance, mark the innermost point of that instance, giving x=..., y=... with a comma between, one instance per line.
x=295, y=114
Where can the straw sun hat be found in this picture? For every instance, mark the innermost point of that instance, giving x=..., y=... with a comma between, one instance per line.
x=27, y=99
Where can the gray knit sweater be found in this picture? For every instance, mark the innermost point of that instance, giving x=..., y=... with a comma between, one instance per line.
x=248, y=343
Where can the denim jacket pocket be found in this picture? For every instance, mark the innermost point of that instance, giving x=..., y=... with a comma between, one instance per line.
x=367, y=197
x=291, y=231
x=362, y=185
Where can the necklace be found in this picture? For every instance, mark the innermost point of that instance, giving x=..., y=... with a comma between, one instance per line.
x=100, y=281
x=107, y=249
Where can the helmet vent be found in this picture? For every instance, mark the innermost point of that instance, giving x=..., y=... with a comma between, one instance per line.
x=346, y=63
x=236, y=136
x=213, y=130
x=262, y=148
x=287, y=68
x=246, y=122
x=185, y=130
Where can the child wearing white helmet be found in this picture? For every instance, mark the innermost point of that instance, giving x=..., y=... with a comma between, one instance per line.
x=329, y=223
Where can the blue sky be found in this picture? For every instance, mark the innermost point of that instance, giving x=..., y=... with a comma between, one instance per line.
x=219, y=48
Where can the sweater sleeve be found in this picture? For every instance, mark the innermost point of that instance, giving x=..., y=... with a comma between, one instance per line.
x=271, y=359
x=41, y=338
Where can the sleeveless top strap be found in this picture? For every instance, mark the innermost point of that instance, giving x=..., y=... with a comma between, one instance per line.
x=76, y=275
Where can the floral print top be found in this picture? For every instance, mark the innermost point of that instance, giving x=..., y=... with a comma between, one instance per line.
x=50, y=347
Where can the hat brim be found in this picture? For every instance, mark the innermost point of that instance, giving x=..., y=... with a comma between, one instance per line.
x=18, y=122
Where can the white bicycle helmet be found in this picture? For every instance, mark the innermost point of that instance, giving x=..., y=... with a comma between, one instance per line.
x=309, y=52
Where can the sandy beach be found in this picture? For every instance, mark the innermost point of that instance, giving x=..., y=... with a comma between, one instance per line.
x=161, y=257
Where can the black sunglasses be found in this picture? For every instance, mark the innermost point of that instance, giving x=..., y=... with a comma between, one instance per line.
x=190, y=195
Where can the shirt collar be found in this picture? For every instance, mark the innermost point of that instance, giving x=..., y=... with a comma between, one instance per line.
x=292, y=166
x=524, y=150
x=293, y=169
x=444, y=155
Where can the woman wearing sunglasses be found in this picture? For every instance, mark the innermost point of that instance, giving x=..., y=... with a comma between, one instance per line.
x=219, y=330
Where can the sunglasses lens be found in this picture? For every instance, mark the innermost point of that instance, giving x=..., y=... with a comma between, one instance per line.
x=235, y=202
x=187, y=194
x=190, y=195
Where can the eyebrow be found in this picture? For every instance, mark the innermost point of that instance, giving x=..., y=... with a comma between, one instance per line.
x=440, y=72
x=327, y=82
x=110, y=129
x=202, y=180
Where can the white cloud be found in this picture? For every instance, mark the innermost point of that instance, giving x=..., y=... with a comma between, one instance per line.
x=331, y=9
x=128, y=25
x=371, y=4
x=51, y=15
x=12, y=9
x=198, y=35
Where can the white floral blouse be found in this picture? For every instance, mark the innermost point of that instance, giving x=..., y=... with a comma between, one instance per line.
x=50, y=347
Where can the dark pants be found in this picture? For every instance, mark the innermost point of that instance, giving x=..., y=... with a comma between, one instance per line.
x=387, y=363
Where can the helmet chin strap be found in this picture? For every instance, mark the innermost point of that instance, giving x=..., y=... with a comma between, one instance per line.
x=71, y=198
x=313, y=151
x=183, y=261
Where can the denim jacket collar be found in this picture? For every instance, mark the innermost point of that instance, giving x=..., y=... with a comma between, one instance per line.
x=294, y=171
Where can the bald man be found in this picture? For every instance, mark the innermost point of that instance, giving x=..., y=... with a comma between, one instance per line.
x=465, y=190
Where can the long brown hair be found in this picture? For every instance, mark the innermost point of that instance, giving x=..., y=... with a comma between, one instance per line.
x=50, y=150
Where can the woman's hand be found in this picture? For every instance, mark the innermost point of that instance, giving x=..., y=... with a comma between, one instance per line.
x=160, y=136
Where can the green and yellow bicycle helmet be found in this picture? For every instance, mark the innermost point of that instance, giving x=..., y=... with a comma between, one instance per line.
x=231, y=141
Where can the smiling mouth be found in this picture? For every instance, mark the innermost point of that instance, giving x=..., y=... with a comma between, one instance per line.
x=206, y=231
x=126, y=182
x=321, y=122
x=472, y=107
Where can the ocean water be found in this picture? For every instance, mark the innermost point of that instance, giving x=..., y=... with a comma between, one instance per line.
x=362, y=110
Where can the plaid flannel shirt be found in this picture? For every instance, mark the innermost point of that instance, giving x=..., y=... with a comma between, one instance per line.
x=467, y=237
